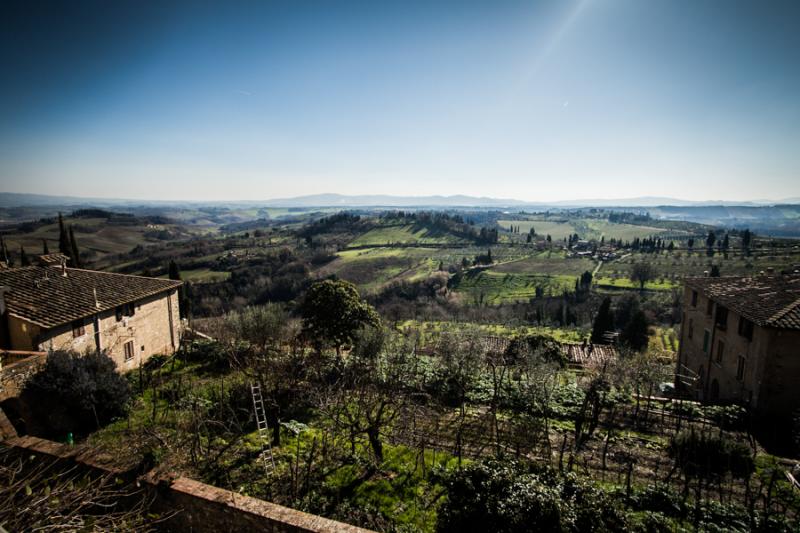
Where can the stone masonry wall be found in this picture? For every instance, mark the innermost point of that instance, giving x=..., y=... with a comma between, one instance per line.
x=13, y=376
x=148, y=329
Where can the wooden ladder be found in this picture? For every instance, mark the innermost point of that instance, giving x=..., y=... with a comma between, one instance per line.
x=263, y=428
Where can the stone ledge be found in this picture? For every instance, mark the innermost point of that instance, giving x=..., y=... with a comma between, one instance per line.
x=201, y=508
x=207, y=508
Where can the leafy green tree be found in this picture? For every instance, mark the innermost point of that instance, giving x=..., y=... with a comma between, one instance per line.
x=333, y=312
x=603, y=322
x=634, y=334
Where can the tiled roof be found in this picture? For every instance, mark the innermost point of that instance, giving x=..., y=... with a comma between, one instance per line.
x=52, y=259
x=588, y=354
x=45, y=297
x=767, y=300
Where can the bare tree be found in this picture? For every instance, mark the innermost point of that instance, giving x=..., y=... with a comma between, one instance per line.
x=41, y=494
x=641, y=273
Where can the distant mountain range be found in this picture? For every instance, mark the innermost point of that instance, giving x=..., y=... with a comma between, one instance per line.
x=340, y=200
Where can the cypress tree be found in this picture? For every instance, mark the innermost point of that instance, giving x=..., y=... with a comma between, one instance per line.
x=64, y=245
x=76, y=257
x=634, y=334
x=45, y=249
x=603, y=322
x=23, y=257
x=3, y=250
x=174, y=271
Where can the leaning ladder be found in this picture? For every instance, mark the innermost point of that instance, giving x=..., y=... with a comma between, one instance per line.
x=263, y=428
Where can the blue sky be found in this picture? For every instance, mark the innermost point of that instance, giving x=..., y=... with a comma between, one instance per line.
x=535, y=101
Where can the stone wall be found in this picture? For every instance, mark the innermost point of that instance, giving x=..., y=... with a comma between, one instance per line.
x=13, y=376
x=153, y=329
x=204, y=508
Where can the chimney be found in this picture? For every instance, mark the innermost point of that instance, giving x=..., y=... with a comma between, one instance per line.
x=770, y=270
x=96, y=303
x=64, y=268
x=705, y=273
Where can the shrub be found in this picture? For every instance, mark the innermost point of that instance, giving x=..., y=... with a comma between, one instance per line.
x=510, y=497
x=711, y=455
x=77, y=392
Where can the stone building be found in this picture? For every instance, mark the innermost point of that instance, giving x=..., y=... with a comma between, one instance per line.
x=51, y=307
x=740, y=341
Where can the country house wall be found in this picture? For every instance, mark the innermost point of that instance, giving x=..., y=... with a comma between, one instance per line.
x=154, y=329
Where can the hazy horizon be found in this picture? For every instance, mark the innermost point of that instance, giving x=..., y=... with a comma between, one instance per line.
x=540, y=102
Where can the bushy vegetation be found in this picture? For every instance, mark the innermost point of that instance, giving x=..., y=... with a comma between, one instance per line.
x=77, y=393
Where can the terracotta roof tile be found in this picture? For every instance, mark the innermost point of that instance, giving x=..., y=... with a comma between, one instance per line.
x=767, y=300
x=45, y=297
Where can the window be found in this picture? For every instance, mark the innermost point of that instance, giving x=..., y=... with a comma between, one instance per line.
x=690, y=331
x=694, y=298
x=740, y=369
x=745, y=328
x=128, y=350
x=709, y=307
x=722, y=317
x=706, y=337
x=720, y=351
x=125, y=310
x=78, y=329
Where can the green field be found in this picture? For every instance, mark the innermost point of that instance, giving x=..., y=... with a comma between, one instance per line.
x=586, y=228
x=93, y=234
x=204, y=275
x=493, y=288
x=404, y=234
x=677, y=265
x=625, y=283
x=550, y=263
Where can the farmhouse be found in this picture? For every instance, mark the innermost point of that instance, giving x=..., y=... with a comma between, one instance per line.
x=740, y=341
x=51, y=307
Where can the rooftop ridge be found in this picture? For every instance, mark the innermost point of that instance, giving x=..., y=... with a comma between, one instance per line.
x=785, y=311
x=54, y=300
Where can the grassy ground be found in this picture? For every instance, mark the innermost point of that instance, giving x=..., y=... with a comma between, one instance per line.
x=547, y=263
x=404, y=234
x=92, y=234
x=204, y=275
x=676, y=265
x=492, y=287
x=558, y=230
x=625, y=283
x=430, y=330
x=586, y=228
